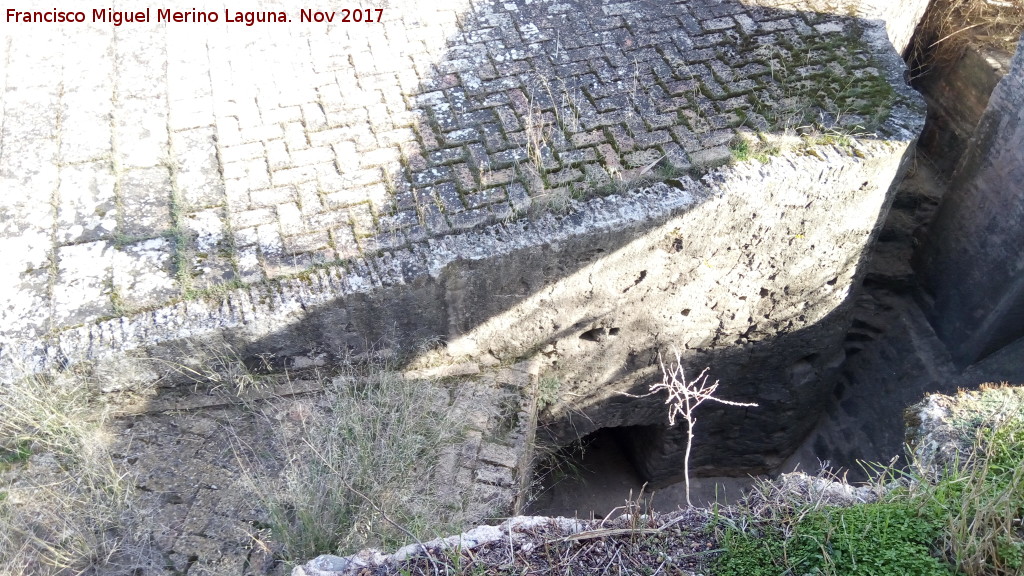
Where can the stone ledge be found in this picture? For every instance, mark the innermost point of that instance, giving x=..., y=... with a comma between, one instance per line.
x=343, y=157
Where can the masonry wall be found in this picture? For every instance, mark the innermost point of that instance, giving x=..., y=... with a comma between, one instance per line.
x=957, y=97
x=971, y=264
x=753, y=282
x=748, y=271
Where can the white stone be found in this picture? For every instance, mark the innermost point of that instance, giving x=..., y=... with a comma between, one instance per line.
x=141, y=273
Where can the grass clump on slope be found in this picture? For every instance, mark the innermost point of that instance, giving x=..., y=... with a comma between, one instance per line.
x=75, y=513
x=360, y=469
x=964, y=518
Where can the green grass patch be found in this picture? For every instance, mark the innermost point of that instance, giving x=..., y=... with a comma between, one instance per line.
x=741, y=150
x=965, y=519
x=756, y=147
x=868, y=540
x=11, y=456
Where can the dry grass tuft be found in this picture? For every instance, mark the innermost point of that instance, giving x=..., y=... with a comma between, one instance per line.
x=73, y=511
x=360, y=465
x=949, y=26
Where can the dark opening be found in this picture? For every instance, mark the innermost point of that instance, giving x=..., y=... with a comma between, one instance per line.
x=586, y=478
x=594, y=476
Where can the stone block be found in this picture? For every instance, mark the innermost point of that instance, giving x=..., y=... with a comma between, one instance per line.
x=88, y=207
x=81, y=290
x=197, y=171
x=86, y=132
x=711, y=157
x=499, y=455
x=143, y=274
x=493, y=476
x=470, y=219
x=140, y=129
x=145, y=197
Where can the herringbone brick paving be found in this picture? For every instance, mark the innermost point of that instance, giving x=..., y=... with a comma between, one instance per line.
x=150, y=162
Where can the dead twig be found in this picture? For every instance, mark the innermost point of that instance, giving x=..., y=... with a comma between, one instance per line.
x=683, y=399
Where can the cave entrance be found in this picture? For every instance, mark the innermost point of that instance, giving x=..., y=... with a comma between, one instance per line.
x=593, y=476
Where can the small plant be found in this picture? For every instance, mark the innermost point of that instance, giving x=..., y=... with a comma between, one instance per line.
x=16, y=454
x=740, y=149
x=539, y=129
x=683, y=399
x=358, y=473
x=747, y=146
x=548, y=390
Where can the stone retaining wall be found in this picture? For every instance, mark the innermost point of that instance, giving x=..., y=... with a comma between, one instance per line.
x=747, y=270
x=957, y=96
x=971, y=263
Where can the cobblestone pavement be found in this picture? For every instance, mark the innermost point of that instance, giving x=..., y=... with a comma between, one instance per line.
x=149, y=162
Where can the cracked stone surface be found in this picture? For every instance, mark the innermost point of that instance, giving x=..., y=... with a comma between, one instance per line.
x=148, y=162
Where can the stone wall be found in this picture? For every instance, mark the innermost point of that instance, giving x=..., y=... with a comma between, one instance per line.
x=901, y=18
x=753, y=282
x=748, y=270
x=971, y=264
x=217, y=166
x=957, y=96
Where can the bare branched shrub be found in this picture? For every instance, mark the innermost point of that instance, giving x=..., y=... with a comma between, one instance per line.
x=683, y=399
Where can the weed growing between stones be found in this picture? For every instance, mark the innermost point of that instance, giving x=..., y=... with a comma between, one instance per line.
x=183, y=248
x=548, y=392
x=360, y=467
x=753, y=146
x=824, y=82
x=622, y=181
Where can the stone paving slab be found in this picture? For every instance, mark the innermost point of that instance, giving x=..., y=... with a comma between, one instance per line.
x=149, y=162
